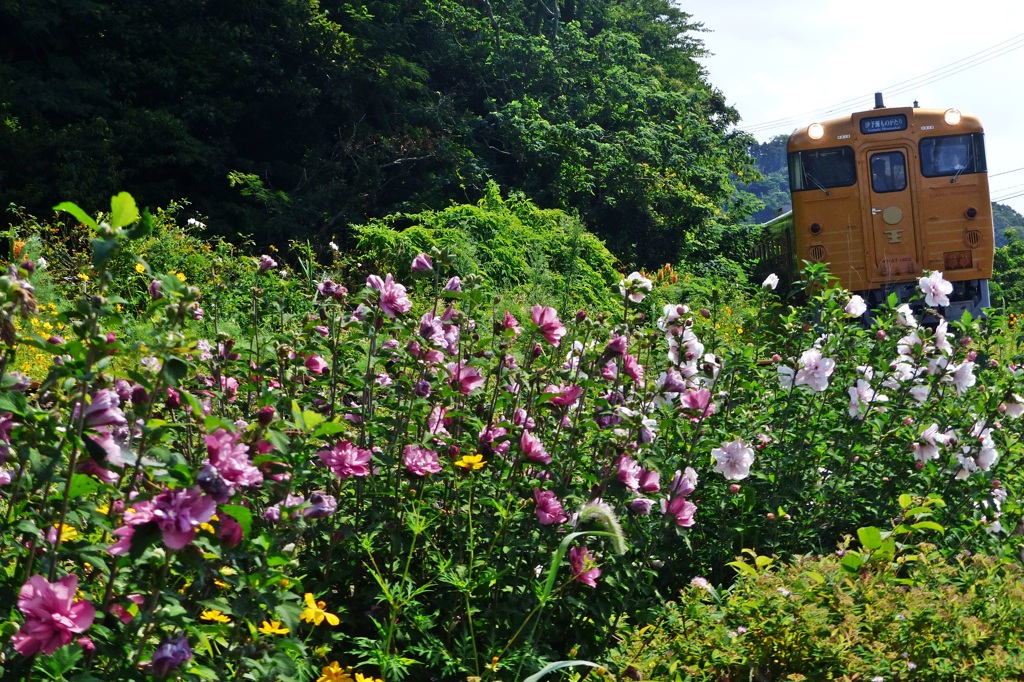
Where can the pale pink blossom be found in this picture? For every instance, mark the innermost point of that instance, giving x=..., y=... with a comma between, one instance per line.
x=421, y=264
x=628, y=472
x=733, y=459
x=928, y=447
x=856, y=307
x=770, y=282
x=963, y=377
x=936, y=290
x=815, y=370
x=681, y=508
x=905, y=316
x=635, y=287
x=862, y=396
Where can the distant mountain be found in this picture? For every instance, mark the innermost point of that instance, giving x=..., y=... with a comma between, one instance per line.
x=1005, y=218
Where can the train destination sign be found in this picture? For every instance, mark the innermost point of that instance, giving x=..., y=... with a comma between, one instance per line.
x=883, y=124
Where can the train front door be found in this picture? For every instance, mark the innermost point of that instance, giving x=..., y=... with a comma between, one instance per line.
x=892, y=213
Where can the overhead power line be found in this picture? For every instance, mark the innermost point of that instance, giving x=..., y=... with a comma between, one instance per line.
x=969, y=62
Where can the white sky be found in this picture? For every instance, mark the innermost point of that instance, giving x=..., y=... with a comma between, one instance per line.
x=804, y=60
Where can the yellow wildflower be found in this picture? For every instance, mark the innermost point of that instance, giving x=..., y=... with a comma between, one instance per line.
x=67, y=533
x=215, y=616
x=84, y=277
x=473, y=462
x=273, y=628
x=361, y=678
x=334, y=673
x=180, y=275
x=140, y=268
x=315, y=612
x=221, y=584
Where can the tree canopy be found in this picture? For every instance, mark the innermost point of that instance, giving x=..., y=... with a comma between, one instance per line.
x=300, y=117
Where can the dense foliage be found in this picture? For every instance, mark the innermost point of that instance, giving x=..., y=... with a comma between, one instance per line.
x=919, y=617
x=419, y=483
x=299, y=117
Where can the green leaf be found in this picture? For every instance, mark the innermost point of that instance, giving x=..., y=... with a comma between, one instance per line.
x=143, y=228
x=81, y=485
x=174, y=370
x=928, y=525
x=80, y=215
x=870, y=538
x=905, y=501
x=102, y=251
x=329, y=429
x=852, y=562
x=123, y=210
x=14, y=402
x=743, y=567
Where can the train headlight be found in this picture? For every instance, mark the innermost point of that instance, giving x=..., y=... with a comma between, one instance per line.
x=952, y=116
x=815, y=131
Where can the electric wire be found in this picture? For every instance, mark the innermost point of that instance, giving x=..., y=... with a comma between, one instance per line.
x=976, y=59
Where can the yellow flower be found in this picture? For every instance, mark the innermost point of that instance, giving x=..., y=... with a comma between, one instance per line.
x=273, y=628
x=67, y=533
x=140, y=268
x=361, y=678
x=473, y=462
x=221, y=584
x=334, y=673
x=214, y=615
x=207, y=527
x=180, y=276
x=316, y=614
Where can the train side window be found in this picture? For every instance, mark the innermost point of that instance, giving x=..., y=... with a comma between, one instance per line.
x=822, y=169
x=952, y=155
x=888, y=172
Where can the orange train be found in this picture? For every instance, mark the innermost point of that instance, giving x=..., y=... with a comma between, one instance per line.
x=885, y=195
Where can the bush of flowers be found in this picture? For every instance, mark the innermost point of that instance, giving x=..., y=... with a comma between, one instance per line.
x=369, y=486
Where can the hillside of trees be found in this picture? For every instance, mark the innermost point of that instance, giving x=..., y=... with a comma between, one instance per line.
x=299, y=118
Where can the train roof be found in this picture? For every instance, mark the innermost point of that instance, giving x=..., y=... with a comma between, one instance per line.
x=861, y=125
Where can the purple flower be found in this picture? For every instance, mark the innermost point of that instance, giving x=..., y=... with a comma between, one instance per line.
x=633, y=369
x=628, y=471
x=346, y=460
x=650, y=481
x=584, y=568
x=328, y=288
x=641, y=505
x=265, y=415
x=490, y=443
x=684, y=483
x=178, y=513
x=617, y=346
x=563, y=396
x=697, y=404
x=465, y=378
x=421, y=461
x=170, y=654
x=267, y=263
x=533, y=449
x=681, y=508
x=321, y=505
x=421, y=264
x=392, y=295
x=52, y=616
x=511, y=322
x=103, y=409
x=316, y=364
x=547, y=322
x=231, y=460
x=156, y=290
x=454, y=285
x=549, y=509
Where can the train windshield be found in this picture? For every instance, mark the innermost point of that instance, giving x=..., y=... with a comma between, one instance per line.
x=952, y=155
x=822, y=169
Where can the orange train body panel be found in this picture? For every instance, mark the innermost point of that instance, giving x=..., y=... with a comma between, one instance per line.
x=884, y=195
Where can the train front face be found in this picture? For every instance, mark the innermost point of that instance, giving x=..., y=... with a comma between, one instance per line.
x=885, y=195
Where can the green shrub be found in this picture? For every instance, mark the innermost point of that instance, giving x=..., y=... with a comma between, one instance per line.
x=519, y=248
x=812, y=620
